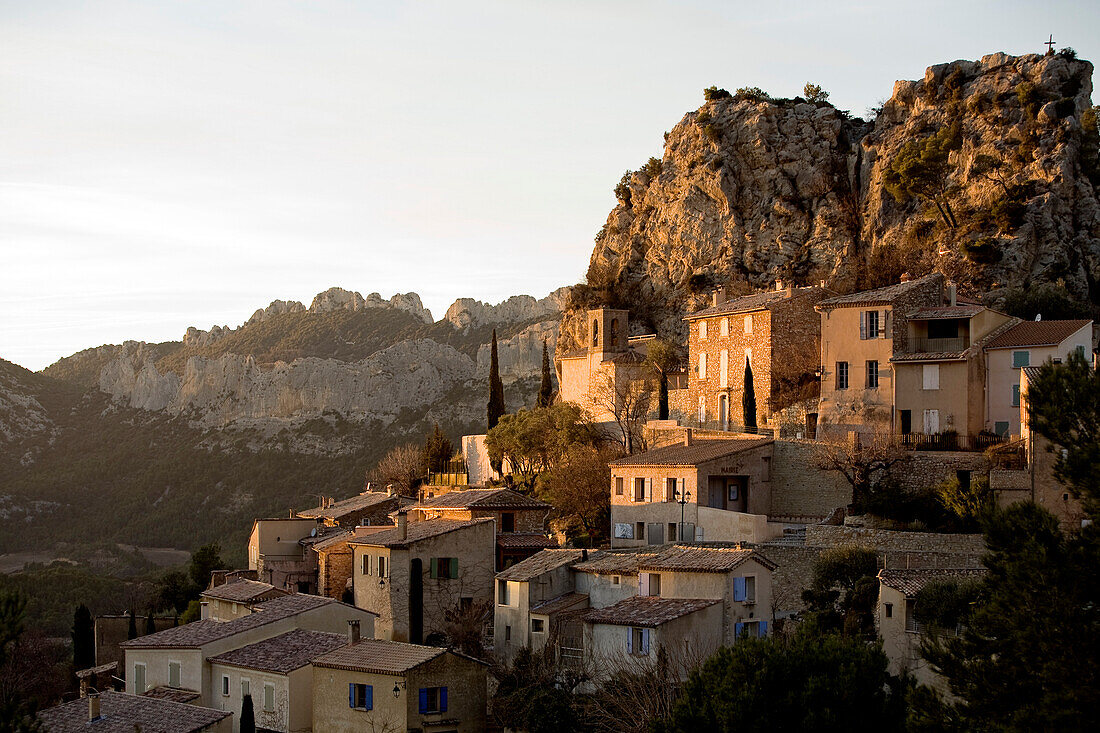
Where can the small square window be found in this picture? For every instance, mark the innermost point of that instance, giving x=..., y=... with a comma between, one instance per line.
x=1021, y=359
x=889, y=610
x=537, y=626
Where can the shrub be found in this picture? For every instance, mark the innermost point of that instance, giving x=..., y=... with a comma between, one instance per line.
x=751, y=94
x=1008, y=213
x=1067, y=53
x=652, y=167
x=622, y=189
x=1051, y=300
x=712, y=93
x=1030, y=98
x=968, y=504
x=815, y=94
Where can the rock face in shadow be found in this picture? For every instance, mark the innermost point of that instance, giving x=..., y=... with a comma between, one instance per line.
x=752, y=190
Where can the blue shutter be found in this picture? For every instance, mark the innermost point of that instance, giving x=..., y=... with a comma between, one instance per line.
x=442, y=699
x=740, y=590
x=763, y=629
x=370, y=697
x=629, y=640
x=423, y=700
x=737, y=629
x=351, y=694
x=645, y=641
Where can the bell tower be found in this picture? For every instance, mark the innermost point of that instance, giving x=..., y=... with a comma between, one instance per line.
x=608, y=329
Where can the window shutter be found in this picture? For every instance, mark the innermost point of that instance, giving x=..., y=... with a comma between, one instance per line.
x=738, y=628
x=739, y=589
x=630, y=641
x=863, y=325
x=763, y=628
x=454, y=570
x=423, y=700
x=680, y=486
x=649, y=489
x=643, y=584
x=351, y=694
x=434, y=573
x=645, y=641
x=370, y=697
x=882, y=324
x=442, y=699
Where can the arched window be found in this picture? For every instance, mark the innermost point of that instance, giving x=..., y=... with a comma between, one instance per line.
x=614, y=332
x=595, y=332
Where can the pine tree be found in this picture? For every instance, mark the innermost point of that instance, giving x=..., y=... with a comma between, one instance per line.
x=248, y=715
x=131, y=632
x=83, y=635
x=748, y=399
x=546, y=390
x=150, y=622
x=496, y=406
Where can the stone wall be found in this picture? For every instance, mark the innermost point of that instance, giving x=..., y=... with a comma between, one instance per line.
x=927, y=469
x=820, y=535
x=798, y=489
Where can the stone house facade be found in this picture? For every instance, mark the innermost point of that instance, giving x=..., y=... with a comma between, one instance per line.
x=367, y=508
x=389, y=686
x=777, y=332
x=232, y=600
x=544, y=583
x=413, y=574
x=725, y=482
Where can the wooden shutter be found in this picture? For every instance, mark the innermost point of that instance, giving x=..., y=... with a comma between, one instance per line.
x=863, y=325
x=739, y=589
x=645, y=641
x=454, y=569
x=649, y=489
x=738, y=629
x=423, y=700
x=629, y=641
x=643, y=584
x=351, y=694
x=442, y=699
x=434, y=573
x=370, y=697
x=763, y=628
x=882, y=323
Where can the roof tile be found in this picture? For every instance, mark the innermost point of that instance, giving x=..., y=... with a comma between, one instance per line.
x=122, y=713
x=700, y=451
x=1038, y=333
x=753, y=302
x=647, y=611
x=416, y=531
x=243, y=591
x=910, y=582
x=284, y=653
x=378, y=655
x=879, y=296
x=539, y=563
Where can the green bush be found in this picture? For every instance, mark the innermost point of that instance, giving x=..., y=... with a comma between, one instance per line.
x=652, y=167
x=1008, y=213
x=622, y=189
x=814, y=94
x=1051, y=300
x=751, y=94
x=1030, y=98
x=968, y=504
x=712, y=93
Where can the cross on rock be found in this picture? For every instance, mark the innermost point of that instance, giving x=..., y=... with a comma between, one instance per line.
x=1050, y=43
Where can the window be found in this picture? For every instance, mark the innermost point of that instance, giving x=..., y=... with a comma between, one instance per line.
x=1021, y=359
x=741, y=590
x=654, y=584
x=1001, y=428
x=670, y=489
x=507, y=632
x=614, y=580
x=502, y=592
x=1015, y=395
x=537, y=626
x=702, y=410
x=703, y=365
x=381, y=566
x=1080, y=350
x=139, y=679
x=618, y=486
x=869, y=325
x=931, y=376
x=748, y=323
x=366, y=564
x=246, y=688
x=724, y=368
x=174, y=673
x=225, y=685
x=751, y=629
x=360, y=697
x=672, y=532
x=444, y=567
x=724, y=327
x=595, y=332
x=702, y=330
x=911, y=623
x=931, y=422
x=639, y=489
x=750, y=589
x=507, y=521
x=614, y=332
x=889, y=610
x=269, y=697
x=842, y=375
x=638, y=642
x=872, y=374
x=639, y=531
x=433, y=700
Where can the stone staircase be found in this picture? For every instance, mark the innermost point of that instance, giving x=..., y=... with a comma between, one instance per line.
x=791, y=537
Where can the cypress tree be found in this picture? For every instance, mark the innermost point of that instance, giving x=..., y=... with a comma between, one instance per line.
x=150, y=622
x=131, y=632
x=248, y=715
x=83, y=635
x=496, y=387
x=546, y=390
x=748, y=399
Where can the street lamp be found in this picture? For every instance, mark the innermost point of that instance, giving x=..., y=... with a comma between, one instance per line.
x=397, y=689
x=682, y=497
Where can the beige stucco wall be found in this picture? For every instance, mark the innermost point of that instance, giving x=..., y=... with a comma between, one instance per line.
x=293, y=709
x=464, y=679
x=192, y=672
x=719, y=586
x=952, y=399
x=277, y=540
x=902, y=647
x=475, y=548
x=516, y=613
x=219, y=609
x=688, y=639
x=855, y=407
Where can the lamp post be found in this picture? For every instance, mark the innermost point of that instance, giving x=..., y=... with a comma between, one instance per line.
x=682, y=497
x=397, y=689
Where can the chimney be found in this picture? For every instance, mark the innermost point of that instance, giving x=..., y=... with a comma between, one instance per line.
x=353, y=631
x=403, y=524
x=93, y=707
x=906, y=277
x=389, y=489
x=951, y=293
x=778, y=285
x=719, y=296
x=688, y=436
x=821, y=283
x=584, y=555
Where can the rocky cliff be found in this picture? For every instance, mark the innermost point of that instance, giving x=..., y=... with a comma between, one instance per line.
x=751, y=189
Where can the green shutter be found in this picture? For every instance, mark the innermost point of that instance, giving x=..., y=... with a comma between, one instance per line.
x=435, y=567
x=454, y=567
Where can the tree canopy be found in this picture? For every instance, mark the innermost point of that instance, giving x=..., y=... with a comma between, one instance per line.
x=534, y=441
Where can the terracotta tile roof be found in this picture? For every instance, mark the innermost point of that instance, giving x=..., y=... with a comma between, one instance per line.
x=1038, y=333
x=284, y=653
x=930, y=356
x=175, y=694
x=567, y=602
x=198, y=633
x=120, y=713
x=616, y=562
x=686, y=558
x=94, y=671
x=1031, y=372
x=910, y=582
x=347, y=535
x=748, y=303
x=946, y=311
x=378, y=655
x=481, y=499
x=520, y=540
x=648, y=611
x=700, y=451
x=879, y=296
x=539, y=563
x=417, y=531
x=344, y=507
x=243, y=591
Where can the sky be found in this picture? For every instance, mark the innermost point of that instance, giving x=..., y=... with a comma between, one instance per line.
x=175, y=164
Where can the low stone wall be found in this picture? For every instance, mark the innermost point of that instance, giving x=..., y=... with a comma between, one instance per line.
x=927, y=469
x=799, y=489
x=885, y=540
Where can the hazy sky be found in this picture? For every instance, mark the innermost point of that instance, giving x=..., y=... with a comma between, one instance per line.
x=173, y=164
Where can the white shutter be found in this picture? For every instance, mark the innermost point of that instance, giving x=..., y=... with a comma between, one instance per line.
x=724, y=369
x=931, y=374
x=629, y=640
x=882, y=323
x=643, y=584
x=931, y=422
x=863, y=325
x=680, y=486
x=645, y=641
x=649, y=489
x=703, y=365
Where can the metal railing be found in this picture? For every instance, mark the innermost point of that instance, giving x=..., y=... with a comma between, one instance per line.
x=948, y=441
x=924, y=345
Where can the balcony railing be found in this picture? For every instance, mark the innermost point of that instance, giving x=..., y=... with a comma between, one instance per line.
x=948, y=441
x=923, y=345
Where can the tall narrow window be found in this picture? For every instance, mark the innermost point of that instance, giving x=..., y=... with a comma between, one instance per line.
x=174, y=674
x=1015, y=395
x=139, y=678
x=724, y=368
x=639, y=489
x=269, y=697
x=724, y=327
x=381, y=566
x=842, y=375
x=872, y=374
x=614, y=332
x=618, y=486
x=703, y=365
x=748, y=323
x=702, y=330
x=507, y=521
x=595, y=332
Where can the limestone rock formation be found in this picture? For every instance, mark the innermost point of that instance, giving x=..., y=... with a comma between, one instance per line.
x=750, y=190
x=277, y=308
x=520, y=357
x=467, y=313
x=340, y=299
